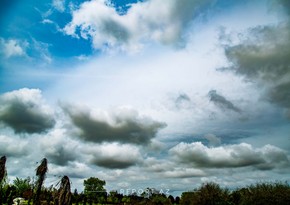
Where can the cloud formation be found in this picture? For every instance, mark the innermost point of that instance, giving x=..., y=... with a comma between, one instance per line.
x=12, y=148
x=115, y=156
x=229, y=156
x=25, y=112
x=123, y=125
x=222, y=102
x=262, y=56
x=12, y=48
x=149, y=20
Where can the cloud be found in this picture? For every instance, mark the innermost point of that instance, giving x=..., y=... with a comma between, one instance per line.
x=184, y=173
x=183, y=101
x=122, y=125
x=148, y=20
x=59, y=150
x=25, y=112
x=115, y=156
x=12, y=48
x=213, y=140
x=229, y=156
x=12, y=147
x=222, y=102
x=59, y=5
x=262, y=56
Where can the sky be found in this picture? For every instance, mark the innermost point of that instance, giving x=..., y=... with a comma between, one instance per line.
x=161, y=94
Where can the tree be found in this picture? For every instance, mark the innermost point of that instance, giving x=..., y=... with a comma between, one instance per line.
x=208, y=194
x=94, y=189
x=41, y=173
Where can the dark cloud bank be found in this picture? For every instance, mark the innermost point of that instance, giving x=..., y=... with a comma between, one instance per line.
x=264, y=57
x=24, y=114
x=125, y=127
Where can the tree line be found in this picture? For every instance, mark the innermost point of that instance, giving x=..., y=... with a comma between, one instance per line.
x=94, y=193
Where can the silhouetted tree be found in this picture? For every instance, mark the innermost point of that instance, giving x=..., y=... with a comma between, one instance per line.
x=41, y=171
x=2, y=167
x=2, y=174
x=64, y=194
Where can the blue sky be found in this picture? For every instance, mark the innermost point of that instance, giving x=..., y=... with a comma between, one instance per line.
x=165, y=94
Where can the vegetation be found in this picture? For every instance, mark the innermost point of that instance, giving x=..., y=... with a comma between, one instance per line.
x=95, y=193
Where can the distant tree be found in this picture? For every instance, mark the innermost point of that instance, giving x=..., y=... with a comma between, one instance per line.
x=208, y=194
x=171, y=198
x=263, y=194
x=41, y=171
x=94, y=189
x=177, y=200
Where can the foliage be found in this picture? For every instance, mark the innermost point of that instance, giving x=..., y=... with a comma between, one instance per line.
x=94, y=189
x=209, y=194
x=263, y=193
x=22, y=186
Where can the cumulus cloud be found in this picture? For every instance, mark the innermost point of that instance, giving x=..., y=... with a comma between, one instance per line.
x=12, y=47
x=115, y=156
x=58, y=149
x=11, y=147
x=167, y=168
x=122, y=125
x=221, y=101
x=148, y=20
x=238, y=155
x=25, y=112
x=262, y=56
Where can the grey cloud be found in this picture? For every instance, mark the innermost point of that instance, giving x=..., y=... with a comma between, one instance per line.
x=222, y=102
x=213, y=140
x=60, y=155
x=230, y=156
x=12, y=147
x=115, y=156
x=263, y=57
x=280, y=94
x=183, y=101
x=113, y=163
x=23, y=113
x=125, y=127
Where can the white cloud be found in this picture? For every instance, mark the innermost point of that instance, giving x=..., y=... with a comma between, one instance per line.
x=59, y=5
x=13, y=47
x=150, y=20
x=13, y=146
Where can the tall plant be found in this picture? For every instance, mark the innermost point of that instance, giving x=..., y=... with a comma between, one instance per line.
x=2, y=174
x=2, y=168
x=41, y=171
x=64, y=193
